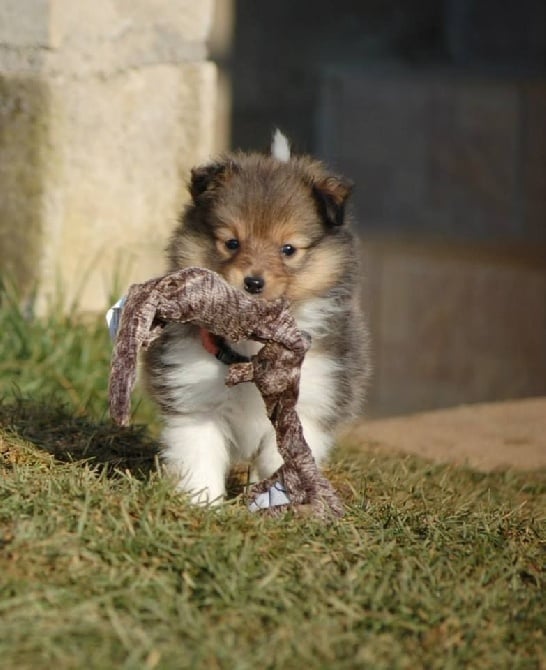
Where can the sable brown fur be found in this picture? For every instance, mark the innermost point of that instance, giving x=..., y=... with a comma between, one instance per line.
x=202, y=297
x=256, y=200
x=263, y=203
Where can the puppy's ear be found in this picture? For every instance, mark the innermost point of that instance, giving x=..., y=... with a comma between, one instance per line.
x=331, y=194
x=208, y=177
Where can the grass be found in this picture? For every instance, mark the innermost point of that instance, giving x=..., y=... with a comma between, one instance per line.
x=102, y=566
x=61, y=358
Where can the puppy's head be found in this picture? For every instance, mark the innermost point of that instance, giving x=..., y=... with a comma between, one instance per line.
x=270, y=225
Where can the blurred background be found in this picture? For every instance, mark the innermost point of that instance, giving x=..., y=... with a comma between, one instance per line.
x=436, y=109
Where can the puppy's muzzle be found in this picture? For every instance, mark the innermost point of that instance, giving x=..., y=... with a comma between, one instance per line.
x=254, y=284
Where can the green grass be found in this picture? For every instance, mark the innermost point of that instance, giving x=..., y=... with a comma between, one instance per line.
x=102, y=566
x=61, y=358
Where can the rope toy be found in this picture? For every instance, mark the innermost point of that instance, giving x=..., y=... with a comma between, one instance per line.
x=204, y=298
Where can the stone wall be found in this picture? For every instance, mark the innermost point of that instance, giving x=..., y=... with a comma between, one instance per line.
x=459, y=157
x=451, y=202
x=282, y=49
x=104, y=107
x=454, y=323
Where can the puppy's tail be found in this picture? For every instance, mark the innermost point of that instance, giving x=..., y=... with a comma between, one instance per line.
x=280, y=147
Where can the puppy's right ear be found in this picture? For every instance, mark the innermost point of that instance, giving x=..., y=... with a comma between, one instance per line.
x=206, y=178
x=332, y=193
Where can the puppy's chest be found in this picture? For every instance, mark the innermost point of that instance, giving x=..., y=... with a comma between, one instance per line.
x=194, y=381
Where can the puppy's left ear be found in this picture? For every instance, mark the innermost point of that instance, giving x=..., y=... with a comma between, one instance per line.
x=331, y=194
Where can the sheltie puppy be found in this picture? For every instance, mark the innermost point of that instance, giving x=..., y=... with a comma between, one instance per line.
x=271, y=225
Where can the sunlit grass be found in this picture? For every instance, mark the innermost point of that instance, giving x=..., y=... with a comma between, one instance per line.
x=62, y=357
x=102, y=565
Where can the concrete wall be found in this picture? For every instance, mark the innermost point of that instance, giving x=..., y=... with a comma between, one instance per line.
x=451, y=202
x=282, y=49
x=460, y=157
x=104, y=107
x=454, y=323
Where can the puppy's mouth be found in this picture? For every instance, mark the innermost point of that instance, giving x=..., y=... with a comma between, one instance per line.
x=265, y=293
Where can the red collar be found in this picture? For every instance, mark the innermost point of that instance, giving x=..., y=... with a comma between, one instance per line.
x=220, y=349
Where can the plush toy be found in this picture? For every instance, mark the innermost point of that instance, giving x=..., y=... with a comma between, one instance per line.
x=203, y=297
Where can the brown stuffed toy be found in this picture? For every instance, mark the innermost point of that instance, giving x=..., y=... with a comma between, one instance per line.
x=203, y=297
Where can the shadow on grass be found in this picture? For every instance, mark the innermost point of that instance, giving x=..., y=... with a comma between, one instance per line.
x=59, y=431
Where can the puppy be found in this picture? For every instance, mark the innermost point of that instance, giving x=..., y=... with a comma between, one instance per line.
x=271, y=225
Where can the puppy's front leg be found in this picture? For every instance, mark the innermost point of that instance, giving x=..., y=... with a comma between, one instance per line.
x=319, y=439
x=268, y=459
x=196, y=454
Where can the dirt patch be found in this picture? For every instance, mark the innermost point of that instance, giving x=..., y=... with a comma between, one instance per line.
x=486, y=437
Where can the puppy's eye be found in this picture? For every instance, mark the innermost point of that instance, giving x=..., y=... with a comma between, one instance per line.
x=232, y=244
x=288, y=250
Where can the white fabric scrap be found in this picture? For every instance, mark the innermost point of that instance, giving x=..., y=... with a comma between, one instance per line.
x=113, y=317
x=273, y=497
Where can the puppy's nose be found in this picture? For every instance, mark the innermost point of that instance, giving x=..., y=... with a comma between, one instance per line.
x=254, y=284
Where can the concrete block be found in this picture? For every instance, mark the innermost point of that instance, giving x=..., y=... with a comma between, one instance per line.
x=80, y=38
x=24, y=23
x=454, y=324
x=532, y=203
x=471, y=164
x=496, y=34
x=436, y=154
x=93, y=174
x=104, y=20
x=105, y=106
x=107, y=35
x=24, y=105
x=113, y=192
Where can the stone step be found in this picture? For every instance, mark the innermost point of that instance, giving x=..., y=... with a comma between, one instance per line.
x=486, y=437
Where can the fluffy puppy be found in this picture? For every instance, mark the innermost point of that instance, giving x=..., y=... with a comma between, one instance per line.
x=271, y=225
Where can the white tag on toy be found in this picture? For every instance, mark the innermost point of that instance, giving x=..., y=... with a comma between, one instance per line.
x=113, y=317
x=273, y=497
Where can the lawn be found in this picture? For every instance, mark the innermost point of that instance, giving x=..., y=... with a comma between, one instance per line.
x=103, y=566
